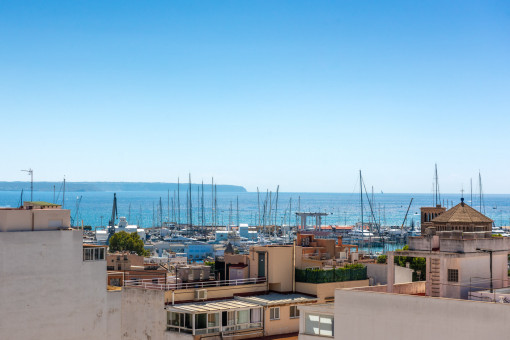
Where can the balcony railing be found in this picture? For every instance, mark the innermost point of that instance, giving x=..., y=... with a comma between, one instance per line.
x=159, y=283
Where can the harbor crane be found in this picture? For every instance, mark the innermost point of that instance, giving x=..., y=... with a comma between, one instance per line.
x=111, y=223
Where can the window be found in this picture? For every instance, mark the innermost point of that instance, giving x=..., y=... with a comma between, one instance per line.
x=243, y=316
x=319, y=325
x=93, y=254
x=179, y=322
x=228, y=318
x=453, y=275
x=294, y=312
x=200, y=321
x=274, y=313
x=213, y=320
x=255, y=315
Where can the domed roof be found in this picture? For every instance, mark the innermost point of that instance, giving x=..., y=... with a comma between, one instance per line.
x=462, y=213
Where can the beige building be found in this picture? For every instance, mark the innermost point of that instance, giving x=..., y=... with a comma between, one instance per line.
x=34, y=216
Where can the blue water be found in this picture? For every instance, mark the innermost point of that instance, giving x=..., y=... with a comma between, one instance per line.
x=344, y=208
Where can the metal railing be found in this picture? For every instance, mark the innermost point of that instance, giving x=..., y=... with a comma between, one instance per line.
x=159, y=283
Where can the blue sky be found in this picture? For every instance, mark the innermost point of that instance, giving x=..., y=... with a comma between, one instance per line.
x=297, y=93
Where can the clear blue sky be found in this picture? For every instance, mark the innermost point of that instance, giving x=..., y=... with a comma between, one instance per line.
x=296, y=93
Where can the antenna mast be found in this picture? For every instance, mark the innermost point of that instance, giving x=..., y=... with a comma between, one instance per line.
x=31, y=173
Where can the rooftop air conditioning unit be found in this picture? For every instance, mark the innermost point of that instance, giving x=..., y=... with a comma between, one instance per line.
x=200, y=294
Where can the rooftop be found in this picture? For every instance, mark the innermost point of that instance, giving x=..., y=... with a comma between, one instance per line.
x=272, y=299
x=211, y=306
x=40, y=203
x=462, y=213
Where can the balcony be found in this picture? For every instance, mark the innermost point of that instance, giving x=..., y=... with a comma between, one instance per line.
x=162, y=284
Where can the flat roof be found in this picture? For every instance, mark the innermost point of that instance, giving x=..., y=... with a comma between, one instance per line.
x=42, y=203
x=277, y=299
x=211, y=306
x=319, y=307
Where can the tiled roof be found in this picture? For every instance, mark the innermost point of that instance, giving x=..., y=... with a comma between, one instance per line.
x=462, y=213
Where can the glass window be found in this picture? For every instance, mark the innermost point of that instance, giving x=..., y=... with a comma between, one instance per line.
x=200, y=321
x=294, y=312
x=453, y=275
x=312, y=324
x=187, y=321
x=243, y=316
x=173, y=318
x=319, y=324
x=274, y=313
x=255, y=315
x=326, y=325
x=213, y=320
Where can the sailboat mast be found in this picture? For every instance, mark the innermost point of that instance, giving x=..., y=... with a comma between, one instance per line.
x=212, y=201
x=276, y=207
x=178, y=202
x=258, y=204
x=203, y=216
x=361, y=199
x=190, y=204
x=64, y=194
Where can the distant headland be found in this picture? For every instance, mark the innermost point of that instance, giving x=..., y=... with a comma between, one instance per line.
x=115, y=186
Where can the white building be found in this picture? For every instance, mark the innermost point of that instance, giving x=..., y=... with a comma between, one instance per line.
x=51, y=286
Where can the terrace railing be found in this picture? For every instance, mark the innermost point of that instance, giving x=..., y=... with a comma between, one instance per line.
x=160, y=284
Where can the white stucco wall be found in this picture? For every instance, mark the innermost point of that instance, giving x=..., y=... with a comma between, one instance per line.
x=379, y=272
x=47, y=291
x=392, y=316
x=43, y=219
x=143, y=314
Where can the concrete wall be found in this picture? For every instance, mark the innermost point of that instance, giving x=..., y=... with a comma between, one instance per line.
x=143, y=314
x=391, y=316
x=47, y=291
x=379, y=271
x=114, y=314
x=43, y=219
x=410, y=288
x=324, y=291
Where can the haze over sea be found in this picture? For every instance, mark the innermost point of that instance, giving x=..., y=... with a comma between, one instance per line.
x=343, y=207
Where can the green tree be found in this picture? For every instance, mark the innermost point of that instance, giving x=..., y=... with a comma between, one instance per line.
x=123, y=241
x=415, y=263
x=382, y=258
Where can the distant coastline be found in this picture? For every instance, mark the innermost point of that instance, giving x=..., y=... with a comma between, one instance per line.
x=115, y=186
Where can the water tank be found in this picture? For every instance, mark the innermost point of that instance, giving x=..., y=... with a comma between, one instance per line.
x=196, y=272
x=206, y=272
x=183, y=273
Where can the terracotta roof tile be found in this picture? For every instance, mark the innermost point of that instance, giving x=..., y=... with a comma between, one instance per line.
x=462, y=213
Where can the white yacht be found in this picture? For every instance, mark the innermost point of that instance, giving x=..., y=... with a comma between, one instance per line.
x=360, y=234
x=102, y=234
